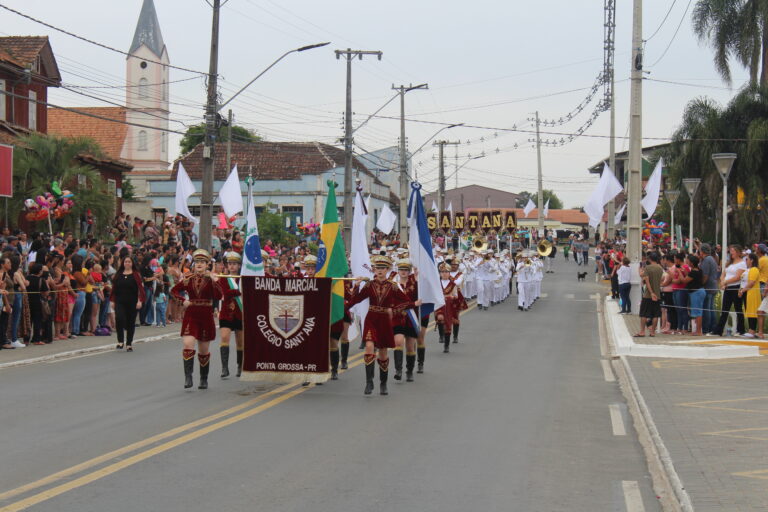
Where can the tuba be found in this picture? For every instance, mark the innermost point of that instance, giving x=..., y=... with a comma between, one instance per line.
x=479, y=244
x=544, y=248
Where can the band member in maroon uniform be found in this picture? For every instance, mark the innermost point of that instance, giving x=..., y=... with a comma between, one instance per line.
x=385, y=297
x=405, y=332
x=444, y=315
x=461, y=304
x=231, y=313
x=198, y=326
x=349, y=291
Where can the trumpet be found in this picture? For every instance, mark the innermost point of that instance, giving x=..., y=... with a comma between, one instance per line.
x=479, y=244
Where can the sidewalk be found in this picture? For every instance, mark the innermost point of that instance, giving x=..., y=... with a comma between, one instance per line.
x=711, y=414
x=80, y=345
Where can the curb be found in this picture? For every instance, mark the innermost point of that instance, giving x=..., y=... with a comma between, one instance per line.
x=79, y=352
x=624, y=345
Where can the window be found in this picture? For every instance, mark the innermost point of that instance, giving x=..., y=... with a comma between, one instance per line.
x=2, y=100
x=165, y=91
x=32, y=123
x=143, y=88
x=142, y=140
x=112, y=188
x=164, y=140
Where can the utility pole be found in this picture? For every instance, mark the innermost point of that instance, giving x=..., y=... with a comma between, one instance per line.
x=612, y=164
x=349, y=54
x=609, y=47
x=404, y=158
x=211, y=122
x=635, y=151
x=540, y=193
x=441, y=176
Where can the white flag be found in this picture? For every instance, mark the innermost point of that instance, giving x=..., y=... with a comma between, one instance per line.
x=546, y=208
x=607, y=188
x=529, y=207
x=230, y=196
x=253, y=264
x=434, y=206
x=653, y=190
x=360, y=260
x=184, y=189
x=386, y=220
x=450, y=208
x=619, y=214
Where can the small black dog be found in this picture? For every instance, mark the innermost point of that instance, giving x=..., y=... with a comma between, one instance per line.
x=581, y=275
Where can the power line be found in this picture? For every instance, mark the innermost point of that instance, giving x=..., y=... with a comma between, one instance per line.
x=662, y=21
x=102, y=45
x=673, y=35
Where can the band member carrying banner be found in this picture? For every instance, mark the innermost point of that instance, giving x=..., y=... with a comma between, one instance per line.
x=198, y=325
x=231, y=314
x=405, y=323
x=385, y=297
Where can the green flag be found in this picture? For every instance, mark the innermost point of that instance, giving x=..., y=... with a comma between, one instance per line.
x=331, y=257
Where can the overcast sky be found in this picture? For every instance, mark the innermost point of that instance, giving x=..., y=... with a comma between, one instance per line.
x=488, y=63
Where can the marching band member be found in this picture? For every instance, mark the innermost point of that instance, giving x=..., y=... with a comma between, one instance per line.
x=198, y=325
x=444, y=315
x=384, y=297
x=231, y=314
x=349, y=290
x=404, y=330
x=485, y=276
x=458, y=277
x=522, y=275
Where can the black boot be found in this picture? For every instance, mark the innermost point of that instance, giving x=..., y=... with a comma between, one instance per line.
x=334, y=364
x=204, y=359
x=446, y=343
x=224, y=361
x=189, y=366
x=410, y=362
x=383, y=376
x=344, y=348
x=440, y=332
x=398, y=364
x=420, y=353
x=239, y=362
x=370, y=359
x=455, y=333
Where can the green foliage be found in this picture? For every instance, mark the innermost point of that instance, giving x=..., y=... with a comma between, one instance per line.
x=196, y=134
x=554, y=202
x=40, y=160
x=740, y=127
x=735, y=29
x=129, y=191
x=272, y=227
x=313, y=248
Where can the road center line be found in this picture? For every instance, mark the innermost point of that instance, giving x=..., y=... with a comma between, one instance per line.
x=617, y=422
x=632, y=497
x=607, y=371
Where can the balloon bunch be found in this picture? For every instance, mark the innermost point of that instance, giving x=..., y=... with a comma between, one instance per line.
x=55, y=204
x=308, y=228
x=656, y=231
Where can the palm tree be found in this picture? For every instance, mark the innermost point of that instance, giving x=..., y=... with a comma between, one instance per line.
x=735, y=29
x=42, y=159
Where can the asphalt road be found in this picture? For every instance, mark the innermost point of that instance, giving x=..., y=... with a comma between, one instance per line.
x=518, y=417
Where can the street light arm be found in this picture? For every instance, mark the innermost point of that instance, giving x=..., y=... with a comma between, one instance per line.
x=432, y=137
x=303, y=48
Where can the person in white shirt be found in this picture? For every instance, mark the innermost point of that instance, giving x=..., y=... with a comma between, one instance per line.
x=624, y=273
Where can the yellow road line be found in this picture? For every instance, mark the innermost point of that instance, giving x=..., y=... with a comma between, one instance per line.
x=355, y=360
x=145, y=442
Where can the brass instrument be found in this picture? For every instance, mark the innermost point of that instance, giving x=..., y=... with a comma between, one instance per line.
x=544, y=248
x=479, y=244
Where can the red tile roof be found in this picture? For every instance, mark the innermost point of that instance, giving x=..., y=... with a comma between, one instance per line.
x=269, y=160
x=110, y=136
x=23, y=51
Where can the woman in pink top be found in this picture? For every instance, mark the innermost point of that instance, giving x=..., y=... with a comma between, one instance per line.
x=679, y=293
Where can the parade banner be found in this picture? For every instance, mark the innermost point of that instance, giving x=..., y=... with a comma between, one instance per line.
x=432, y=221
x=496, y=223
x=510, y=222
x=485, y=221
x=6, y=169
x=445, y=221
x=458, y=222
x=286, y=325
x=473, y=221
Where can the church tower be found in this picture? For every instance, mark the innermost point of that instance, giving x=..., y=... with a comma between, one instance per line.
x=146, y=97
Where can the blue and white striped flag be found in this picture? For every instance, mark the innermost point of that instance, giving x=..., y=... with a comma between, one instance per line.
x=420, y=246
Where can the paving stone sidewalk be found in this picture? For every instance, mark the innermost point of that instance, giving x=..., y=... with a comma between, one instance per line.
x=82, y=343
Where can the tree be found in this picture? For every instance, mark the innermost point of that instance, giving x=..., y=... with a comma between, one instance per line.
x=129, y=191
x=272, y=227
x=735, y=29
x=196, y=134
x=42, y=159
x=740, y=127
x=554, y=202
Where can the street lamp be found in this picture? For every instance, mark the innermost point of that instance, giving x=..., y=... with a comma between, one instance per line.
x=672, y=196
x=691, y=185
x=724, y=164
x=415, y=177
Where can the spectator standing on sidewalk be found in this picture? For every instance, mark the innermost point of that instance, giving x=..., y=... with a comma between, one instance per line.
x=710, y=277
x=38, y=295
x=623, y=274
x=730, y=283
x=680, y=293
x=650, y=305
x=750, y=292
x=696, y=294
x=127, y=296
